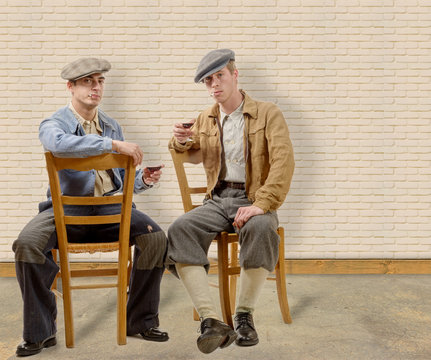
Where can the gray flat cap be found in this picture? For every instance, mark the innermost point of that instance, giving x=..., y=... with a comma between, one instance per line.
x=84, y=67
x=212, y=62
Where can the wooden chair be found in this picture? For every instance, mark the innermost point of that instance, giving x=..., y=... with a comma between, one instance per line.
x=227, y=246
x=122, y=270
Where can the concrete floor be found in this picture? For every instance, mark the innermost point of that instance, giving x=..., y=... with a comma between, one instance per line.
x=334, y=317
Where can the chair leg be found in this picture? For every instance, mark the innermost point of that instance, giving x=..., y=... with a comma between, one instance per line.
x=55, y=282
x=223, y=275
x=67, y=301
x=280, y=275
x=195, y=315
x=122, y=294
x=129, y=265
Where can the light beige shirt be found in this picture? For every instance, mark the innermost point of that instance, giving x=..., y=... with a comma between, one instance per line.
x=233, y=144
x=103, y=183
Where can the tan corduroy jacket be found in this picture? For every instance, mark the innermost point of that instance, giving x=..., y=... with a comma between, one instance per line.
x=268, y=151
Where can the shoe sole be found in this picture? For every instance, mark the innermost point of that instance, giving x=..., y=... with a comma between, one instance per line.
x=246, y=343
x=209, y=344
x=47, y=344
x=231, y=337
x=156, y=339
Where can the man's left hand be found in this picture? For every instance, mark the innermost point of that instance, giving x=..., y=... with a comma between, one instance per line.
x=245, y=213
x=151, y=177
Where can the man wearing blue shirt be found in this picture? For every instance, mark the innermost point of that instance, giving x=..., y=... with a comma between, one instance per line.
x=81, y=129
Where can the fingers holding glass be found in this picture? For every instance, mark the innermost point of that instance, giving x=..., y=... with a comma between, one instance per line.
x=187, y=126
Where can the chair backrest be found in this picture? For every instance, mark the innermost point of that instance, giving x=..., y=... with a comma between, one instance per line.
x=100, y=162
x=179, y=159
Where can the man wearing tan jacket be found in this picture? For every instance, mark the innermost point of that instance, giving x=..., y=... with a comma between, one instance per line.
x=248, y=160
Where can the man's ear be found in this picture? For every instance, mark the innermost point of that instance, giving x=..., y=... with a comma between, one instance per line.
x=69, y=85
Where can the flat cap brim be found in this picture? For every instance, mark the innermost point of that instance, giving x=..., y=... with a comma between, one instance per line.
x=84, y=67
x=212, y=62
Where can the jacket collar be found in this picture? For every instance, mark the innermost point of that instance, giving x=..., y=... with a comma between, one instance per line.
x=249, y=108
x=72, y=122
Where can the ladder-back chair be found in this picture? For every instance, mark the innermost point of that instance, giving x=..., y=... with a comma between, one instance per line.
x=122, y=269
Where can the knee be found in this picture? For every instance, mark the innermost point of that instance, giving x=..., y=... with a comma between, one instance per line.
x=260, y=227
x=27, y=250
x=177, y=227
x=152, y=249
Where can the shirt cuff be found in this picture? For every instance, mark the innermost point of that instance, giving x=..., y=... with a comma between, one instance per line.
x=140, y=185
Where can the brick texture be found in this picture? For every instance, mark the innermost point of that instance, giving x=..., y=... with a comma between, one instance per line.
x=351, y=77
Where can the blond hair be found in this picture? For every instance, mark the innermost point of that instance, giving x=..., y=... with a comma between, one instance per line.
x=231, y=66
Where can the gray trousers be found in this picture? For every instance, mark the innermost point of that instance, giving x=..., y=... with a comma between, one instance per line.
x=190, y=236
x=36, y=270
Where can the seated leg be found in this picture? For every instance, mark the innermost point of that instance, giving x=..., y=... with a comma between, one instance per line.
x=35, y=272
x=258, y=256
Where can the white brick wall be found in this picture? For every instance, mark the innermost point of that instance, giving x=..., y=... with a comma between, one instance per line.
x=353, y=79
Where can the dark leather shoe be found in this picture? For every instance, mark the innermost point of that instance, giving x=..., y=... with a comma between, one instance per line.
x=214, y=334
x=244, y=326
x=155, y=334
x=27, y=348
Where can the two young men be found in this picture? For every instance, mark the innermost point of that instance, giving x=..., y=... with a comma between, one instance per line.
x=248, y=160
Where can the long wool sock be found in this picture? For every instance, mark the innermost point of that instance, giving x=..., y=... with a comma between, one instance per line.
x=195, y=280
x=251, y=284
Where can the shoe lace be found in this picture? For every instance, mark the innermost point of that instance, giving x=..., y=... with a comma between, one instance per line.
x=244, y=319
x=202, y=326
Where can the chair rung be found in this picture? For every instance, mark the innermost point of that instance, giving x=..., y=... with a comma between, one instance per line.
x=91, y=200
x=234, y=270
x=101, y=272
x=197, y=190
x=93, y=286
x=89, y=220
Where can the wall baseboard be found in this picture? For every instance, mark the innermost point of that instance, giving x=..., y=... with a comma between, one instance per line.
x=301, y=266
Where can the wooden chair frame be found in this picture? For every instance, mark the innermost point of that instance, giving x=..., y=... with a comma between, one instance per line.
x=101, y=162
x=227, y=246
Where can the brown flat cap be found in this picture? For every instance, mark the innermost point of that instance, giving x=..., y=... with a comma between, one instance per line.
x=84, y=67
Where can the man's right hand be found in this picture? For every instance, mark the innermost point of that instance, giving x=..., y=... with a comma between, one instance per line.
x=130, y=149
x=181, y=133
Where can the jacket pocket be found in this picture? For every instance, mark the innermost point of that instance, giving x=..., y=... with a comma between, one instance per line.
x=257, y=140
x=209, y=142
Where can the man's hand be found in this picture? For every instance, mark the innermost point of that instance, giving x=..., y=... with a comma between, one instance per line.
x=151, y=177
x=245, y=213
x=130, y=149
x=181, y=133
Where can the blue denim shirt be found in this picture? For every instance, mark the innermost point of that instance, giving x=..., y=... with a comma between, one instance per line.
x=64, y=136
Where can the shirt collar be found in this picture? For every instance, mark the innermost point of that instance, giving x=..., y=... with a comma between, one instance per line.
x=237, y=113
x=82, y=120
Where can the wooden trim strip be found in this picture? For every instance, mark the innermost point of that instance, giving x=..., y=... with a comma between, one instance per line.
x=356, y=266
x=300, y=266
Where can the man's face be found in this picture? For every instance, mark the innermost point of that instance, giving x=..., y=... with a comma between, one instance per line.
x=222, y=84
x=87, y=91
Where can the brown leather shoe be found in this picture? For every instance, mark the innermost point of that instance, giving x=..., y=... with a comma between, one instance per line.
x=244, y=326
x=27, y=348
x=155, y=334
x=214, y=334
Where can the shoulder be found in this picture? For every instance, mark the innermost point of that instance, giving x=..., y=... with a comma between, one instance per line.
x=211, y=111
x=261, y=109
x=62, y=117
x=61, y=113
x=105, y=117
